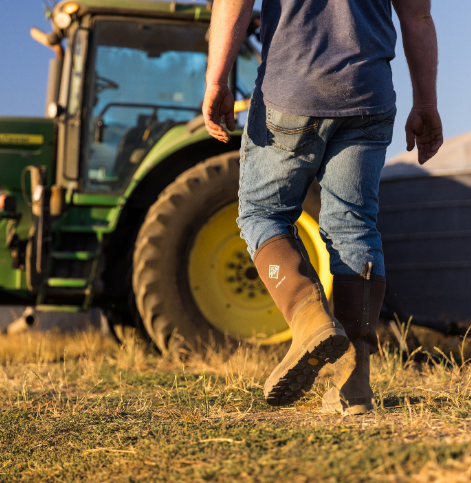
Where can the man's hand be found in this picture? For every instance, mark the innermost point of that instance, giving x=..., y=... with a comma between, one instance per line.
x=424, y=128
x=229, y=22
x=218, y=102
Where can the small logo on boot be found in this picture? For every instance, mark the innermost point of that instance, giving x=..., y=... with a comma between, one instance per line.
x=273, y=271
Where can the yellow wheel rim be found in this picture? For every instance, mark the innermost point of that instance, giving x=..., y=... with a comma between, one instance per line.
x=225, y=284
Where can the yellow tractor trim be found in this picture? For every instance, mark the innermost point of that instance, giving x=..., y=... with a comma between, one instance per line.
x=225, y=284
x=240, y=106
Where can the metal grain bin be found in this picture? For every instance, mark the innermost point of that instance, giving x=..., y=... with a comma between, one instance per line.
x=425, y=221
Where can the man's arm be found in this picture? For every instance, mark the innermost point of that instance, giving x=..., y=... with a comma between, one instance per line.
x=229, y=22
x=423, y=126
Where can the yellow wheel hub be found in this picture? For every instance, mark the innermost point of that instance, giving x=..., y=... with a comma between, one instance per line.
x=226, y=286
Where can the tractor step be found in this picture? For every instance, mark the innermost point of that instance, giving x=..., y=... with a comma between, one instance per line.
x=67, y=282
x=83, y=256
x=82, y=229
x=65, y=292
x=71, y=309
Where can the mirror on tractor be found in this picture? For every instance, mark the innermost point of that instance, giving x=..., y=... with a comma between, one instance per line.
x=99, y=130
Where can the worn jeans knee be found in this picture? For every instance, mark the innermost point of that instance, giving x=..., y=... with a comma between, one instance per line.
x=349, y=180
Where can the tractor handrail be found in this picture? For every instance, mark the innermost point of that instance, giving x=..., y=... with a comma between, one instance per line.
x=149, y=106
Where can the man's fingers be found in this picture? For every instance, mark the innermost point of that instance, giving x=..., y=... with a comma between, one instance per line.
x=220, y=136
x=410, y=139
x=426, y=152
x=215, y=129
x=230, y=120
x=219, y=101
x=437, y=144
x=210, y=124
x=424, y=128
x=217, y=132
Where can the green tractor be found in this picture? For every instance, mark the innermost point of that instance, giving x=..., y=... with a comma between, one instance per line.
x=119, y=199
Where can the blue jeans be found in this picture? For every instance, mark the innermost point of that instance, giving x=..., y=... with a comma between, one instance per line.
x=281, y=154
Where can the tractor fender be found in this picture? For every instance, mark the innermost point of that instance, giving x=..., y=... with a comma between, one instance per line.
x=173, y=155
x=177, y=151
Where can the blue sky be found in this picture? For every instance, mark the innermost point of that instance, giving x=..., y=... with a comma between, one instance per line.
x=24, y=66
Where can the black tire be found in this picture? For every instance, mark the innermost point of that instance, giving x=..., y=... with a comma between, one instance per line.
x=162, y=248
x=126, y=326
x=123, y=328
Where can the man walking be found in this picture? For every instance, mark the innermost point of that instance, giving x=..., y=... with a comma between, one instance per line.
x=323, y=107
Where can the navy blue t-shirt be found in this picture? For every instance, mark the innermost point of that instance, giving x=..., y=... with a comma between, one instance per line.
x=327, y=58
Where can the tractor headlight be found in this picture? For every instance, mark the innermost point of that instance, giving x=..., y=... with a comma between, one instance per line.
x=62, y=20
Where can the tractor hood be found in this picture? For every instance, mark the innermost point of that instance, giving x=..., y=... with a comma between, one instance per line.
x=24, y=142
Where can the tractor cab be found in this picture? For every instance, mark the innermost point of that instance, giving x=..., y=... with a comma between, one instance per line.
x=129, y=76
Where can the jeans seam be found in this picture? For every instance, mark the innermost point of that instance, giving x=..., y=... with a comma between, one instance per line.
x=243, y=161
x=373, y=138
x=298, y=148
x=273, y=128
x=251, y=117
x=385, y=121
x=311, y=127
x=250, y=122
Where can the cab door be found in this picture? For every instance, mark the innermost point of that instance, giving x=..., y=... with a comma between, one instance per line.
x=72, y=100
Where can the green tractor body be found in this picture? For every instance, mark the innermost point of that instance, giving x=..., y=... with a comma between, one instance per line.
x=120, y=199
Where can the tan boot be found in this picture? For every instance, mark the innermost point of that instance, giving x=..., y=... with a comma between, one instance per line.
x=283, y=265
x=357, y=303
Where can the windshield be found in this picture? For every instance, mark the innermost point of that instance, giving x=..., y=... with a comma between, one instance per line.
x=146, y=78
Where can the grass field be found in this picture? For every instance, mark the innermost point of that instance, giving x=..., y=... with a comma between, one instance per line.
x=78, y=408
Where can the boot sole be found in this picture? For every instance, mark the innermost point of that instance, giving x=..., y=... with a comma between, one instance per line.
x=294, y=377
x=349, y=409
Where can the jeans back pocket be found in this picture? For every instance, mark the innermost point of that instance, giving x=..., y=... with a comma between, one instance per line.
x=380, y=126
x=290, y=132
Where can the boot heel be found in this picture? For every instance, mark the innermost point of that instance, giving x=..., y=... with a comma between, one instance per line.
x=330, y=345
x=353, y=407
x=296, y=375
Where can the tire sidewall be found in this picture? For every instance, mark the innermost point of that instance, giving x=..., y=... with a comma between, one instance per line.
x=211, y=190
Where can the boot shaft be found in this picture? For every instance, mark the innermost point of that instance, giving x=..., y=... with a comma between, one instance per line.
x=284, y=267
x=357, y=304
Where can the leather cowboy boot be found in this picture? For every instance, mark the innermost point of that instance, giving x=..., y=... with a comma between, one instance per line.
x=357, y=304
x=317, y=337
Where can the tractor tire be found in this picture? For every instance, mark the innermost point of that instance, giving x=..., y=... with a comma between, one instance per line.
x=123, y=328
x=192, y=273
x=126, y=326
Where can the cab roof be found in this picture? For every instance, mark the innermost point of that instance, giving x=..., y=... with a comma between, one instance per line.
x=144, y=8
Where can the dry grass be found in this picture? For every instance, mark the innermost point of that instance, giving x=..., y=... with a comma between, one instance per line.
x=77, y=407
